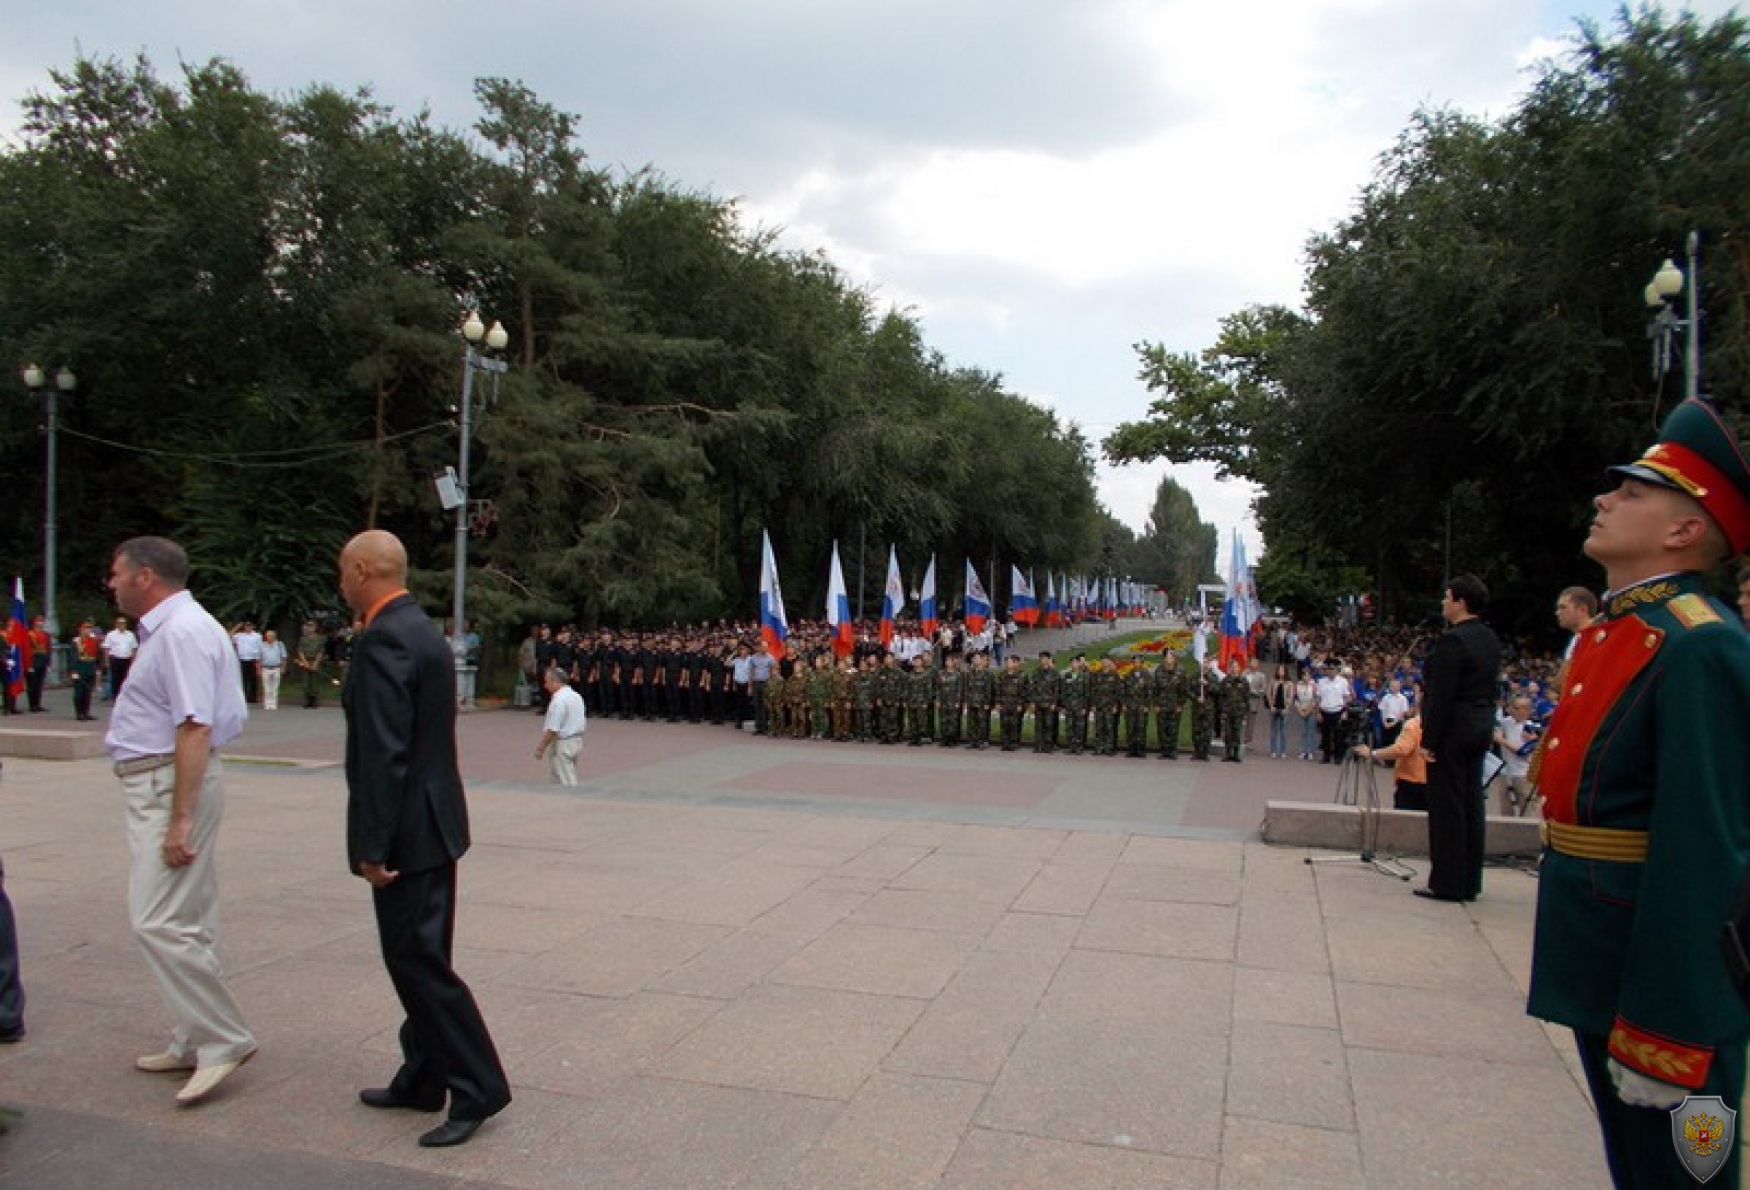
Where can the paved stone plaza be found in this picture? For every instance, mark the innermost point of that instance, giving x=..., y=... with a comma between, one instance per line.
x=727, y=961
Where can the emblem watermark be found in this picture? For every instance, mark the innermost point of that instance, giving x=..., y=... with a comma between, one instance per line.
x=1703, y=1129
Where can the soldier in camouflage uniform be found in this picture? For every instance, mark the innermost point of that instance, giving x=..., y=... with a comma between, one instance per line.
x=1200, y=693
x=1042, y=693
x=951, y=701
x=1135, y=693
x=819, y=695
x=920, y=697
x=889, y=698
x=1103, y=701
x=1073, y=694
x=863, y=701
x=1166, y=692
x=777, y=702
x=1236, y=693
x=981, y=688
x=311, y=649
x=844, y=681
x=1011, y=693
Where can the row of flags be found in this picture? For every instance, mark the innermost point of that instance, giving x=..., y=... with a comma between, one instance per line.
x=1080, y=599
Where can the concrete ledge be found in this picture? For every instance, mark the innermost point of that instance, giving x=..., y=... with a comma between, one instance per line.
x=1401, y=832
x=49, y=744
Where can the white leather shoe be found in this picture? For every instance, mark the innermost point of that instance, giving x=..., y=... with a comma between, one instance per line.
x=163, y=1064
x=206, y=1080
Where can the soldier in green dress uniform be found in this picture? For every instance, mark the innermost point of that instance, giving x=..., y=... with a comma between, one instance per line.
x=1011, y=694
x=1043, y=685
x=1646, y=786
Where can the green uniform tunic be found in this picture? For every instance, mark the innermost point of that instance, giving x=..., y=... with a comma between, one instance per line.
x=1648, y=738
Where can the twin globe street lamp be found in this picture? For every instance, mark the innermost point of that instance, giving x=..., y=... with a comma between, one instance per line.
x=37, y=382
x=453, y=491
x=1661, y=296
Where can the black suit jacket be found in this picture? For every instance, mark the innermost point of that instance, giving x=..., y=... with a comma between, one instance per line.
x=1458, y=713
x=405, y=806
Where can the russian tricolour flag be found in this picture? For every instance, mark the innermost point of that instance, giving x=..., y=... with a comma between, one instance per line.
x=977, y=602
x=17, y=642
x=1053, y=609
x=927, y=600
x=838, y=609
x=1023, y=606
x=774, y=628
x=1241, y=610
x=892, y=597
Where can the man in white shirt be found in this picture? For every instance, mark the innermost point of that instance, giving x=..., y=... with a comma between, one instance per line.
x=182, y=703
x=1335, y=692
x=119, y=647
x=562, y=730
x=1394, y=708
x=1516, y=737
x=248, y=643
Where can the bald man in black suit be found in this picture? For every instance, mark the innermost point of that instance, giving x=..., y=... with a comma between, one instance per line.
x=406, y=826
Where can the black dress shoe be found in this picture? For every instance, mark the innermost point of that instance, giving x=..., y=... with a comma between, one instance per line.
x=450, y=1132
x=12, y=1036
x=389, y=1097
x=1431, y=895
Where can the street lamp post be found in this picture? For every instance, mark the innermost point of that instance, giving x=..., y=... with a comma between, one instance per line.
x=473, y=331
x=37, y=382
x=1660, y=294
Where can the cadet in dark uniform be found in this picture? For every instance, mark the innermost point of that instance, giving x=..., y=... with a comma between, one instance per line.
x=1458, y=725
x=1645, y=776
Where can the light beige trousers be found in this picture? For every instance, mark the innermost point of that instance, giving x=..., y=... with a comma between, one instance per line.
x=562, y=760
x=175, y=916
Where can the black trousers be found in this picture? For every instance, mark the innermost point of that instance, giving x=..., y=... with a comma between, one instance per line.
x=33, y=684
x=444, y=1042
x=1455, y=824
x=251, y=680
x=11, y=989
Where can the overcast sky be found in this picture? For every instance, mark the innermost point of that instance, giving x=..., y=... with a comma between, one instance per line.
x=1041, y=183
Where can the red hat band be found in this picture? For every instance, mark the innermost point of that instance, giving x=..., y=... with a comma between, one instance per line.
x=1690, y=471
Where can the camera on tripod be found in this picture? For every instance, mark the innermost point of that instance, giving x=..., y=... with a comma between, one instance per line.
x=1352, y=727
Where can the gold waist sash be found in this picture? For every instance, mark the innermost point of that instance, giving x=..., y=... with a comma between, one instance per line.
x=1596, y=842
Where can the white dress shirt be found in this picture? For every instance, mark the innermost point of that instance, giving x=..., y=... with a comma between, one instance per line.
x=185, y=670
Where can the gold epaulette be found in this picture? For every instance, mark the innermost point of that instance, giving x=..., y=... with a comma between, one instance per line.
x=1692, y=611
x=1596, y=842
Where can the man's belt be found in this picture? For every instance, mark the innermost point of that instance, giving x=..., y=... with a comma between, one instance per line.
x=144, y=764
x=1596, y=842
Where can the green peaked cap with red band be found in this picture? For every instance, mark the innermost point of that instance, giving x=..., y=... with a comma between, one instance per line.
x=1698, y=453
